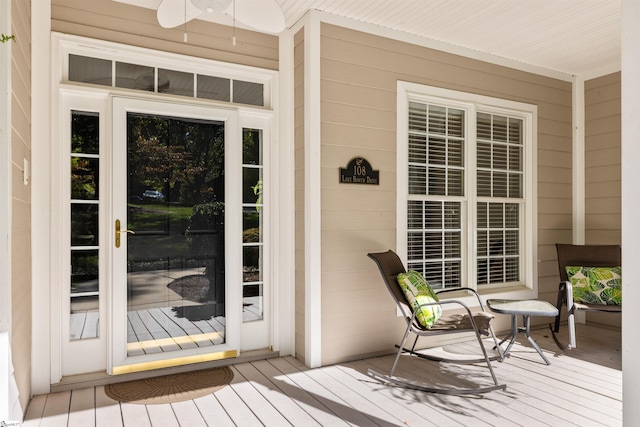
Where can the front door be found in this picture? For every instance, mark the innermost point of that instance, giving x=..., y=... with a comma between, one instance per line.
x=167, y=263
x=176, y=212
x=160, y=200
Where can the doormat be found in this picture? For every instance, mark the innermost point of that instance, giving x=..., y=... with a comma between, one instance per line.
x=171, y=388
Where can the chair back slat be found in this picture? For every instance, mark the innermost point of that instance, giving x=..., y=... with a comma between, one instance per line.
x=587, y=256
x=390, y=266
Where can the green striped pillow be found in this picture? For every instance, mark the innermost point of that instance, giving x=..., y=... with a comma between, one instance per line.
x=417, y=291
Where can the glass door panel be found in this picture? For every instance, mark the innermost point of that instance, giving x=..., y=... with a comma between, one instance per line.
x=171, y=223
x=85, y=197
x=252, y=225
x=79, y=166
x=175, y=253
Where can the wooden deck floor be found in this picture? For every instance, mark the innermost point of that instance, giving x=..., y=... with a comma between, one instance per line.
x=581, y=387
x=158, y=329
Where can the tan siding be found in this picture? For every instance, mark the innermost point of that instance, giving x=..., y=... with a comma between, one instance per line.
x=602, y=206
x=359, y=74
x=554, y=143
x=603, y=160
x=554, y=158
x=136, y=26
x=553, y=175
x=602, y=141
x=555, y=190
x=21, y=197
x=602, y=173
x=298, y=58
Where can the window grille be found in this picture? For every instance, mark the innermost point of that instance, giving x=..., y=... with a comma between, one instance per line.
x=444, y=205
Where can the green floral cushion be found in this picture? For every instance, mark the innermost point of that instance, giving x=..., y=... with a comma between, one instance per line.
x=417, y=291
x=596, y=285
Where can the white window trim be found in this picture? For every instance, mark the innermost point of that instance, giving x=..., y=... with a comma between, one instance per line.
x=406, y=92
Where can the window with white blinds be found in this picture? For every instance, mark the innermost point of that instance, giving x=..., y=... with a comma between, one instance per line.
x=436, y=173
x=499, y=195
x=465, y=193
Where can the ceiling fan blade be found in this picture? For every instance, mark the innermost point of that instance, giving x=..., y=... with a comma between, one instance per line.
x=264, y=15
x=172, y=13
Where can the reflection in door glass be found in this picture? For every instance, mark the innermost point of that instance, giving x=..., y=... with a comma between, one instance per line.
x=175, y=259
x=84, y=291
x=252, y=226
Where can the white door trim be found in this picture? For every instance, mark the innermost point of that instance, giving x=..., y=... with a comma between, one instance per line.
x=47, y=331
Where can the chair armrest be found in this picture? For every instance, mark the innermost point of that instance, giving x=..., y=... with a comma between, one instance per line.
x=561, y=300
x=570, y=310
x=472, y=321
x=446, y=302
x=568, y=288
x=472, y=291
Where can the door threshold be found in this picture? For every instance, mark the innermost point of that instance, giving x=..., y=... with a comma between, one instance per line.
x=94, y=379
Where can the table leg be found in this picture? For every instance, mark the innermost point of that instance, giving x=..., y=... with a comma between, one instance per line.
x=512, y=336
x=526, y=321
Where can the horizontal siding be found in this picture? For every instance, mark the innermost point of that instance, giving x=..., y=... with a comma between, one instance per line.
x=603, y=159
x=21, y=198
x=359, y=74
x=136, y=26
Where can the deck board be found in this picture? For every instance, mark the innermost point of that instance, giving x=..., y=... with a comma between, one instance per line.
x=305, y=400
x=91, y=325
x=135, y=415
x=236, y=408
x=326, y=396
x=162, y=415
x=158, y=330
x=260, y=406
x=547, y=394
x=386, y=397
x=462, y=410
x=171, y=328
x=107, y=410
x=286, y=405
x=82, y=408
x=579, y=388
x=35, y=411
x=345, y=394
x=76, y=325
x=188, y=414
x=212, y=411
x=56, y=410
x=185, y=326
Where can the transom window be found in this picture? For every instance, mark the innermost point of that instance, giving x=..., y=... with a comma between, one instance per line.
x=466, y=194
x=112, y=73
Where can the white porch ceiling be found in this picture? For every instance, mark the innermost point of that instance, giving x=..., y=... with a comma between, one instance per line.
x=573, y=37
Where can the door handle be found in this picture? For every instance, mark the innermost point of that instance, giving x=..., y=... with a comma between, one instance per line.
x=118, y=231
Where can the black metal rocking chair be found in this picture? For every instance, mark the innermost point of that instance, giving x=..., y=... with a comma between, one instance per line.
x=390, y=266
